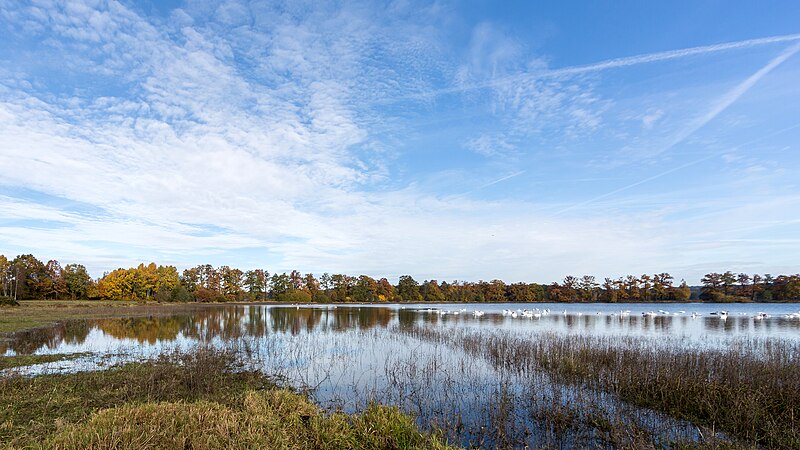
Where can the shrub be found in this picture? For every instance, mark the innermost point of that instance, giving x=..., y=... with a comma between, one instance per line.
x=295, y=297
x=8, y=301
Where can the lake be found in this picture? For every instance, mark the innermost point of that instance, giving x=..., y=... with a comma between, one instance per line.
x=435, y=361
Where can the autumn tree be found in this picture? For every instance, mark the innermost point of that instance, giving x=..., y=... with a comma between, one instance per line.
x=312, y=286
x=520, y=293
x=569, y=289
x=341, y=288
x=494, y=291
x=610, y=293
x=28, y=276
x=231, y=280
x=385, y=290
x=365, y=289
x=755, y=289
x=683, y=293
x=430, y=292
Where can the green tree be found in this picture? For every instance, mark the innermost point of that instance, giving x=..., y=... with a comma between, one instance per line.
x=190, y=279
x=589, y=288
x=744, y=283
x=256, y=283
x=712, y=284
x=279, y=285
x=5, y=276
x=77, y=280
x=408, y=289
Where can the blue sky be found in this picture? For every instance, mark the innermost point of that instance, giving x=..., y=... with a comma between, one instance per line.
x=450, y=140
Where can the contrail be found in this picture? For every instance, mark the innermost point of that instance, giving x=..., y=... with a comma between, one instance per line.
x=672, y=54
x=729, y=98
x=515, y=174
x=610, y=64
x=674, y=169
x=721, y=105
x=501, y=179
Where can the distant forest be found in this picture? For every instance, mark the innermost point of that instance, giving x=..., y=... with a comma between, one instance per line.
x=26, y=277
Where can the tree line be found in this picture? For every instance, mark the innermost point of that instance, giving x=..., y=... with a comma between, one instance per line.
x=729, y=286
x=26, y=277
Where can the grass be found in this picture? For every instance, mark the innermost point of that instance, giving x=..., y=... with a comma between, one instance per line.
x=197, y=400
x=41, y=313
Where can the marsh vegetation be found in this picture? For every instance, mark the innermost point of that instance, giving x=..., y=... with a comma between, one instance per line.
x=475, y=381
x=200, y=399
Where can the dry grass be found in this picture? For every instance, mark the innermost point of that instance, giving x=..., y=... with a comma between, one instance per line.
x=274, y=419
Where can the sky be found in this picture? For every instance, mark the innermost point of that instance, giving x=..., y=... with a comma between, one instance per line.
x=465, y=140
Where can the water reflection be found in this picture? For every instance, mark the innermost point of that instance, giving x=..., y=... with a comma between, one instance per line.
x=257, y=321
x=351, y=355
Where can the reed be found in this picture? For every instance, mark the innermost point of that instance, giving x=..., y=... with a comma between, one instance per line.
x=750, y=390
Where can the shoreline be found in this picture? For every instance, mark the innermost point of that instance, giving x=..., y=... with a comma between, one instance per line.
x=35, y=314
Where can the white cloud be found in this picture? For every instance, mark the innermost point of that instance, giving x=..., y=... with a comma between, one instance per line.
x=255, y=128
x=649, y=119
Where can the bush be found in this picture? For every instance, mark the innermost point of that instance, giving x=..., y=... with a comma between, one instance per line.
x=204, y=295
x=8, y=301
x=295, y=297
x=181, y=294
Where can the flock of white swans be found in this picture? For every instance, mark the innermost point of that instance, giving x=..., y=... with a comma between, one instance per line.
x=537, y=313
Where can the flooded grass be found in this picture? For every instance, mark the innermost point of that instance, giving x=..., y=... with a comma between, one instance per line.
x=750, y=391
x=464, y=381
x=201, y=399
x=10, y=362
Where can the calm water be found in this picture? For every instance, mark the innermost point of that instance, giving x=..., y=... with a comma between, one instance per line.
x=693, y=323
x=349, y=355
